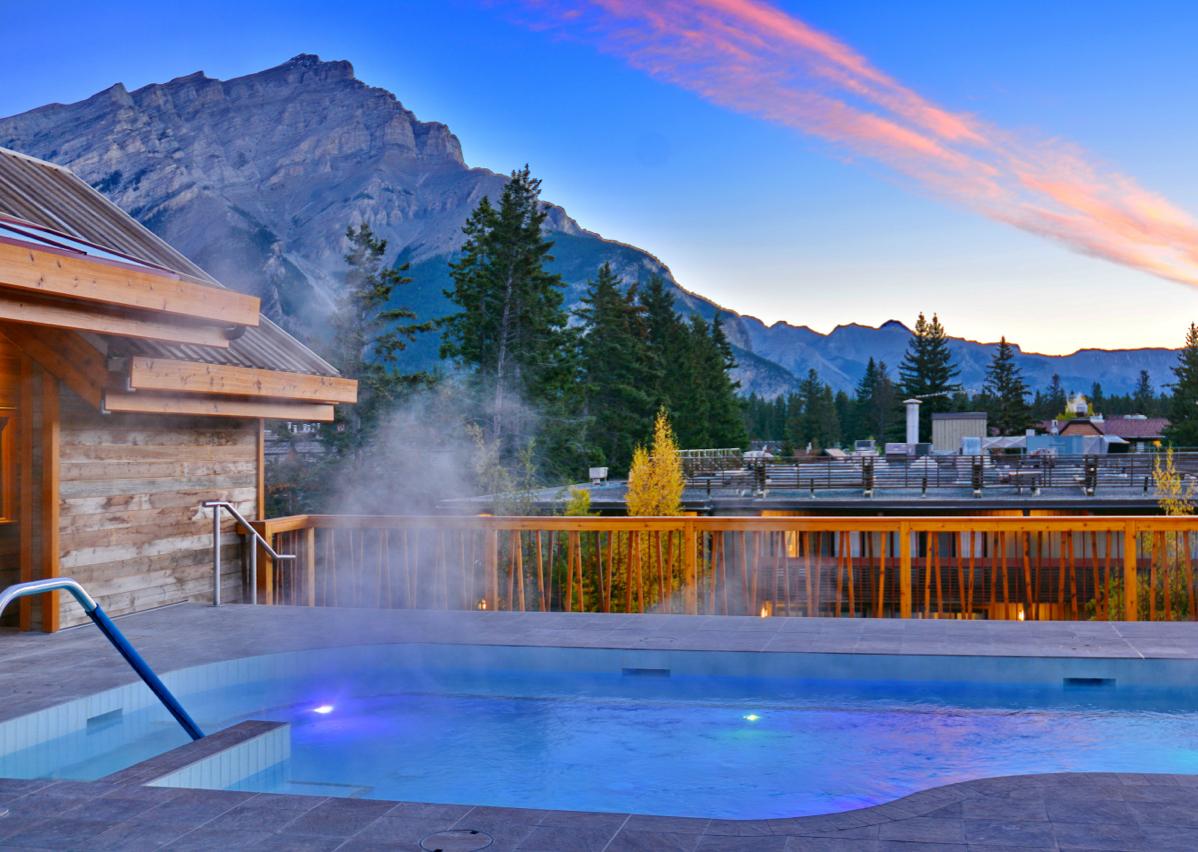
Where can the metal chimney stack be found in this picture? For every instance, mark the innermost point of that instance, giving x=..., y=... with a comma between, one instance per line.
x=913, y=420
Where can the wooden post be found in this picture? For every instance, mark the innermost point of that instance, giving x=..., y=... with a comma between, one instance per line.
x=51, y=453
x=310, y=563
x=261, y=501
x=904, y=570
x=1131, y=604
x=691, y=592
x=491, y=566
x=26, y=499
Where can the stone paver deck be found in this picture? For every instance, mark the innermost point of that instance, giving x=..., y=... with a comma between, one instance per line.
x=1061, y=811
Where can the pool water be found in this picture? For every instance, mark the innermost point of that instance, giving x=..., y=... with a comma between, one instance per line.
x=638, y=740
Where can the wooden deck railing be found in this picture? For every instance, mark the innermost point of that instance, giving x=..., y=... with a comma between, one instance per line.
x=1035, y=568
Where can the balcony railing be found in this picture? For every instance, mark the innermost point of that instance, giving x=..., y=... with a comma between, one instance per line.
x=1092, y=475
x=1034, y=568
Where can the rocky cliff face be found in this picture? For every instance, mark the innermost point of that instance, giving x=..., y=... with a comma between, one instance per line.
x=257, y=178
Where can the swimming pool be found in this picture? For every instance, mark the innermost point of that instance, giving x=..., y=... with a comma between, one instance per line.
x=717, y=734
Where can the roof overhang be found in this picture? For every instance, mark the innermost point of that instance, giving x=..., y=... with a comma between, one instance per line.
x=64, y=287
x=140, y=385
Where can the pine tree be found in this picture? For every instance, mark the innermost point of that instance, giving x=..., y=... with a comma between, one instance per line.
x=1053, y=400
x=1005, y=394
x=814, y=419
x=367, y=338
x=875, y=403
x=666, y=338
x=846, y=417
x=1097, y=399
x=511, y=331
x=727, y=426
x=1183, y=404
x=656, y=481
x=927, y=371
x=1144, y=395
x=616, y=370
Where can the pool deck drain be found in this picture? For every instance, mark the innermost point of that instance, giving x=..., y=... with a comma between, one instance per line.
x=1075, y=811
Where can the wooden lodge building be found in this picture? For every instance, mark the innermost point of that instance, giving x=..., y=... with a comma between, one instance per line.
x=133, y=387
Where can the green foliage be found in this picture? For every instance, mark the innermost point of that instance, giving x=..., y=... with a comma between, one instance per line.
x=512, y=483
x=511, y=333
x=578, y=504
x=1004, y=394
x=927, y=371
x=814, y=421
x=1183, y=405
x=366, y=342
x=877, y=402
x=618, y=374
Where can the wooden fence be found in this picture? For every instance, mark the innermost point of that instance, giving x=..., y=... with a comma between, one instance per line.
x=1034, y=568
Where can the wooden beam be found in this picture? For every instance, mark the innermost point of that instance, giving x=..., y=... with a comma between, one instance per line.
x=162, y=374
x=27, y=491
x=51, y=453
x=78, y=364
x=61, y=314
x=151, y=403
x=92, y=279
x=261, y=501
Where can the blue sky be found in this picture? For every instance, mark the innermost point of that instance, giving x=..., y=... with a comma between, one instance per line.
x=761, y=217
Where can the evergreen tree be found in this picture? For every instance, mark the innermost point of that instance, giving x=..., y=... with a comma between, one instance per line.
x=846, y=417
x=1005, y=394
x=875, y=403
x=1183, y=405
x=1055, y=399
x=616, y=370
x=511, y=331
x=927, y=371
x=1097, y=399
x=827, y=420
x=1144, y=396
x=703, y=394
x=814, y=420
x=367, y=338
x=727, y=426
x=666, y=339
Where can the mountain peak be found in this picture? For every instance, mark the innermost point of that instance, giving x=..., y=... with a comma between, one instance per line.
x=311, y=65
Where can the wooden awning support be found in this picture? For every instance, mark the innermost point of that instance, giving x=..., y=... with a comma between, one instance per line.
x=66, y=356
x=98, y=280
x=59, y=313
x=163, y=374
x=156, y=403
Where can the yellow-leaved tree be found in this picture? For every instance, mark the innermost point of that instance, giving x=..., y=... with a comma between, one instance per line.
x=655, y=481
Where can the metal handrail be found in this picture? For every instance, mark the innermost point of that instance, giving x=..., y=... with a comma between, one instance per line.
x=216, y=506
x=113, y=634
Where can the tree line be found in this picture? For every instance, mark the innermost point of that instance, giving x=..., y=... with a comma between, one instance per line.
x=815, y=417
x=543, y=391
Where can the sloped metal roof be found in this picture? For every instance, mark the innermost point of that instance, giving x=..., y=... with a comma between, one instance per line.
x=54, y=197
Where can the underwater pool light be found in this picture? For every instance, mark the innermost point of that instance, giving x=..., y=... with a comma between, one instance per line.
x=751, y=717
x=323, y=709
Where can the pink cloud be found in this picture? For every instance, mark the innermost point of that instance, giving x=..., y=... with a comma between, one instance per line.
x=754, y=58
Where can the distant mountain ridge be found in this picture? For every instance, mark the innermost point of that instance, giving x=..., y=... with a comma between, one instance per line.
x=256, y=179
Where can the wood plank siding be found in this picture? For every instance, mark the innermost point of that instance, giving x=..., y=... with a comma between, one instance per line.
x=131, y=527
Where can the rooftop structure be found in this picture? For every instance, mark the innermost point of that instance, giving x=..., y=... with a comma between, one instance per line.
x=133, y=388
